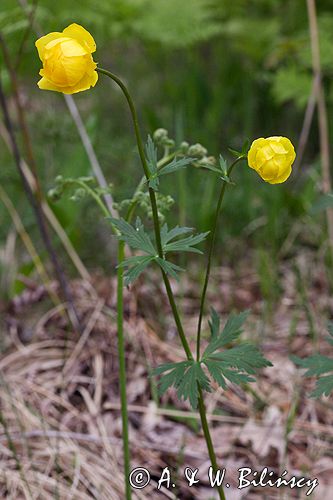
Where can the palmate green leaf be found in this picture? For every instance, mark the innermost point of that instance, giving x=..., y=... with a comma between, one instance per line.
x=214, y=324
x=243, y=152
x=220, y=372
x=134, y=236
x=167, y=235
x=135, y=266
x=319, y=366
x=194, y=378
x=174, y=165
x=231, y=331
x=186, y=377
x=185, y=244
x=169, y=267
x=223, y=165
x=237, y=363
x=173, y=378
x=245, y=358
x=324, y=387
x=235, y=153
x=151, y=156
x=316, y=364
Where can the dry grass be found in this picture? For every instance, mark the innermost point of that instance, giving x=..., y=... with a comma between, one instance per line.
x=61, y=428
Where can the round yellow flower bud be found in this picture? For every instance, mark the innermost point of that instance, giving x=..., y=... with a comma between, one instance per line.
x=68, y=66
x=272, y=158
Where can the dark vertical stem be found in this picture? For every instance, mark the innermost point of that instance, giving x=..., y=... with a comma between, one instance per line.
x=21, y=114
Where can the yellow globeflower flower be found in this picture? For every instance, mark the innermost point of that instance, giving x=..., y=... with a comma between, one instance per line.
x=272, y=158
x=68, y=65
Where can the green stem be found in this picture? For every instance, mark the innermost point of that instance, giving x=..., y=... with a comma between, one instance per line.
x=122, y=367
x=209, y=442
x=167, y=284
x=210, y=254
x=121, y=341
x=154, y=209
x=94, y=195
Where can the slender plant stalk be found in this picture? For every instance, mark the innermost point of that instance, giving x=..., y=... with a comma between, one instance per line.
x=323, y=126
x=120, y=321
x=122, y=367
x=167, y=284
x=209, y=442
x=210, y=254
x=121, y=340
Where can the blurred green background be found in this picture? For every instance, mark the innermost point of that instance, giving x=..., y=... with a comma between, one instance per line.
x=210, y=71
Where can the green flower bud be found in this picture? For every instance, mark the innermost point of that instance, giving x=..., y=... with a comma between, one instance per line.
x=54, y=194
x=197, y=150
x=160, y=136
x=184, y=147
x=79, y=194
x=169, y=143
x=59, y=179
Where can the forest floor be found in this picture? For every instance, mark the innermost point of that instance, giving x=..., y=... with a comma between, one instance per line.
x=61, y=425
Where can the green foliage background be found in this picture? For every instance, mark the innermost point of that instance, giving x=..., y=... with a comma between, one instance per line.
x=210, y=71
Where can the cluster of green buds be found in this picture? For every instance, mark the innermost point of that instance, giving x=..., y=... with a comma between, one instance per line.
x=56, y=193
x=197, y=151
x=142, y=201
x=161, y=138
x=200, y=153
x=80, y=188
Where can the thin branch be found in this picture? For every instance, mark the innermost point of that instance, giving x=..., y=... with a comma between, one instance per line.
x=97, y=170
x=53, y=221
x=322, y=112
x=308, y=117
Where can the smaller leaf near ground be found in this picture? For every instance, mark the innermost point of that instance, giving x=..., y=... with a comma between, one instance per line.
x=245, y=358
x=236, y=364
x=214, y=324
x=220, y=372
x=231, y=331
x=169, y=267
x=186, y=377
x=135, y=266
x=319, y=366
